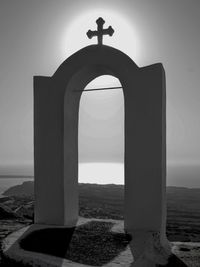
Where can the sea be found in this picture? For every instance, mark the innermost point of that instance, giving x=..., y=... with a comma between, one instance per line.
x=180, y=175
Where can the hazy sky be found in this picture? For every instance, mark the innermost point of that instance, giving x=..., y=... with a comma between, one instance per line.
x=37, y=36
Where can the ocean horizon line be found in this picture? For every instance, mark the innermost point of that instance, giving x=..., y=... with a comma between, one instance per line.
x=2, y=176
x=28, y=177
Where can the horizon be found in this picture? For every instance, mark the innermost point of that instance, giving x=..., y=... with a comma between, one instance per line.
x=178, y=175
x=24, y=180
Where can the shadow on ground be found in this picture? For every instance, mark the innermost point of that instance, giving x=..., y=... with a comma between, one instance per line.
x=92, y=243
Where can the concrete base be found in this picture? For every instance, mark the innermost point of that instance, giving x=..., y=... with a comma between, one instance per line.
x=144, y=250
x=12, y=250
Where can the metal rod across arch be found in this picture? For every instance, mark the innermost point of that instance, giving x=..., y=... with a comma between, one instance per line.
x=98, y=89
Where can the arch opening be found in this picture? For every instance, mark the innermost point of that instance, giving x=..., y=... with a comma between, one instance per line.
x=72, y=100
x=101, y=147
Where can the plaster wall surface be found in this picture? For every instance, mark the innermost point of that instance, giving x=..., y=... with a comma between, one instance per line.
x=56, y=107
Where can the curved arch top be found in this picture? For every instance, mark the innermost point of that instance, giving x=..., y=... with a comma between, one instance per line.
x=93, y=55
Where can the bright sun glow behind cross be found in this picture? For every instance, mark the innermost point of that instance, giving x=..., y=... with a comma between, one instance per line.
x=125, y=37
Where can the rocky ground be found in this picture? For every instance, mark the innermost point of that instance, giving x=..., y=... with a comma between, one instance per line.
x=85, y=245
x=183, y=222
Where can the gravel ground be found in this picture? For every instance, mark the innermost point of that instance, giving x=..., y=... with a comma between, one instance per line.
x=94, y=244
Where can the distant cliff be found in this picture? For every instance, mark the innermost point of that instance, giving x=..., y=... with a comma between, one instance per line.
x=110, y=191
x=24, y=189
x=93, y=190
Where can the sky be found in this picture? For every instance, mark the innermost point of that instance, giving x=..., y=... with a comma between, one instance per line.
x=37, y=36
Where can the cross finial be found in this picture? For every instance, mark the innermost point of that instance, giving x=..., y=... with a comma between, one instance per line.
x=100, y=31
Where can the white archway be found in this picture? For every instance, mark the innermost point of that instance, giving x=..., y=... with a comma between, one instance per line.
x=56, y=106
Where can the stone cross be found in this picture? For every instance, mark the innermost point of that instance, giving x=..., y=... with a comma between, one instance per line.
x=100, y=31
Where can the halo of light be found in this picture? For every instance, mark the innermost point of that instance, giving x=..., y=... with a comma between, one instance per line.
x=125, y=37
